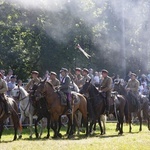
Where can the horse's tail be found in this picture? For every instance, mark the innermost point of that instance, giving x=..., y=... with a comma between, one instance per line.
x=126, y=111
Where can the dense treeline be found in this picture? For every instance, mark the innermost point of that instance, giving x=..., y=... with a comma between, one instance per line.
x=36, y=38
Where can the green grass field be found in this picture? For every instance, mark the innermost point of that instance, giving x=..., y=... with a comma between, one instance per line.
x=110, y=141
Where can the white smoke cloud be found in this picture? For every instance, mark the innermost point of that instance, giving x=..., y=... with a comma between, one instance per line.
x=132, y=26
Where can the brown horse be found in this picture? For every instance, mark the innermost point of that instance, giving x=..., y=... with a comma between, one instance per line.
x=143, y=106
x=13, y=114
x=97, y=101
x=55, y=107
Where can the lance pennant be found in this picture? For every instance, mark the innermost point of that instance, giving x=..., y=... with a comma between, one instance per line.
x=84, y=53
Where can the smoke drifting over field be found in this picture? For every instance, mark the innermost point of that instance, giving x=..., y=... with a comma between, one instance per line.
x=119, y=25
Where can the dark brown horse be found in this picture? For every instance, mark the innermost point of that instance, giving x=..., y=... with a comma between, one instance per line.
x=56, y=109
x=13, y=114
x=98, y=106
x=132, y=108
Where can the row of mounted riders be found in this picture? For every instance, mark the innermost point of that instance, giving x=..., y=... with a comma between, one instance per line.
x=46, y=102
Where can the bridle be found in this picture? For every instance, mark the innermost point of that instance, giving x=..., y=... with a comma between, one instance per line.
x=20, y=95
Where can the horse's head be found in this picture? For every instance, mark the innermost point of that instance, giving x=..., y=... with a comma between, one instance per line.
x=16, y=93
x=19, y=93
x=86, y=87
x=119, y=87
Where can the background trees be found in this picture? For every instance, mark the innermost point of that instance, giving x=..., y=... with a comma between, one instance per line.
x=42, y=35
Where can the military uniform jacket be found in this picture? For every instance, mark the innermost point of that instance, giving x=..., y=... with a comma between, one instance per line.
x=106, y=85
x=3, y=86
x=84, y=79
x=78, y=80
x=55, y=82
x=133, y=85
x=65, y=84
x=31, y=83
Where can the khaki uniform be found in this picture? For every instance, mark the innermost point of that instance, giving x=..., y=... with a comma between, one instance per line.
x=84, y=79
x=3, y=86
x=78, y=80
x=106, y=87
x=3, y=90
x=55, y=83
x=133, y=85
x=31, y=83
x=106, y=84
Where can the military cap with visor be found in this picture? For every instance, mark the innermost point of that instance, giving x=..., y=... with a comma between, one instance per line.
x=104, y=71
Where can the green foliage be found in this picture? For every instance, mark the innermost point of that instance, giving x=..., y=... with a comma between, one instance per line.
x=41, y=39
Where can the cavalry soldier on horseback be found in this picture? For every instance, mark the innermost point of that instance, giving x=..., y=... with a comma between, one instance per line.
x=33, y=81
x=106, y=87
x=65, y=87
x=86, y=77
x=133, y=86
x=53, y=80
x=3, y=89
x=78, y=77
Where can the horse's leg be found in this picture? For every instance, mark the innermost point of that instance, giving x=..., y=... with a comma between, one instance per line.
x=121, y=116
x=103, y=120
x=36, y=122
x=1, y=129
x=146, y=116
x=100, y=125
x=59, y=127
x=71, y=126
x=48, y=127
x=130, y=118
x=22, y=118
x=91, y=125
x=15, y=119
x=140, y=120
x=30, y=125
x=54, y=127
x=94, y=127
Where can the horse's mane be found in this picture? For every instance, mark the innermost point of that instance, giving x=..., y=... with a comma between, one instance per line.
x=50, y=84
x=94, y=88
x=23, y=91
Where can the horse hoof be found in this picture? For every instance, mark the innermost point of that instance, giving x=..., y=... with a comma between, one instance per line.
x=70, y=136
x=20, y=136
x=120, y=133
x=14, y=138
x=30, y=136
x=60, y=135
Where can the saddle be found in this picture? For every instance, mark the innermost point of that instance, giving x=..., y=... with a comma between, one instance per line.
x=63, y=98
x=114, y=98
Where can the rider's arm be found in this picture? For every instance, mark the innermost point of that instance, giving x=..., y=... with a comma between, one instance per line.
x=4, y=88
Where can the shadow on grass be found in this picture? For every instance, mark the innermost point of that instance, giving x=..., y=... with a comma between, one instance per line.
x=6, y=141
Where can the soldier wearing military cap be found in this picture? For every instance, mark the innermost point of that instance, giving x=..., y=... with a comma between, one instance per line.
x=3, y=90
x=53, y=80
x=77, y=77
x=106, y=87
x=86, y=77
x=133, y=84
x=34, y=80
x=65, y=87
x=132, y=88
